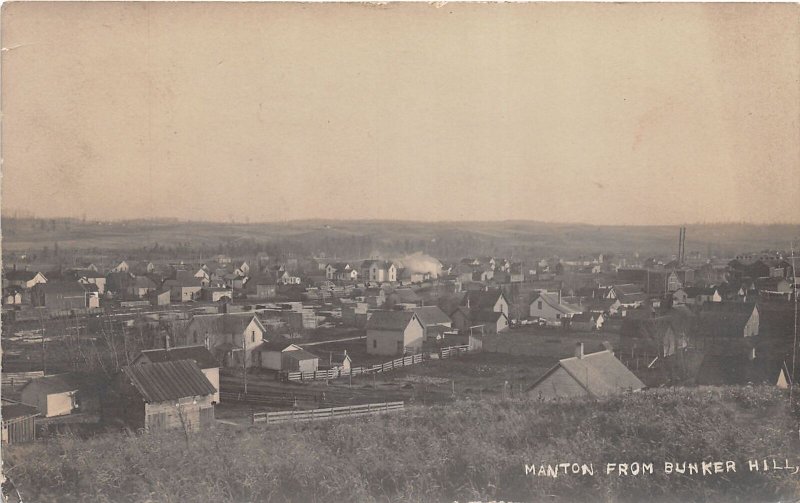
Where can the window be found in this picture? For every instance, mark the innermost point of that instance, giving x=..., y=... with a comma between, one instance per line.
x=539, y=304
x=253, y=336
x=558, y=316
x=374, y=343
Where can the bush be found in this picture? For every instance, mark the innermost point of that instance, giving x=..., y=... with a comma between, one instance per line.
x=470, y=450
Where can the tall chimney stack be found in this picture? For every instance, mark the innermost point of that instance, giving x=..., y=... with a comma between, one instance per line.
x=579, y=350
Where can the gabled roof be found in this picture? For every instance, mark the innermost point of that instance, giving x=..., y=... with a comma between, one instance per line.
x=561, y=307
x=598, y=373
x=300, y=354
x=63, y=287
x=482, y=300
x=431, y=315
x=227, y=323
x=21, y=275
x=627, y=289
x=59, y=383
x=277, y=345
x=390, y=320
x=13, y=410
x=486, y=316
x=143, y=282
x=198, y=354
x=160, y=382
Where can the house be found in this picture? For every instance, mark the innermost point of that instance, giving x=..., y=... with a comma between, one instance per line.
x=216, y=294
x=334, y=269
x=491, y=322
x=487, y=300
x=63, y=296
x=242, y=270
x=198, y=354
x=287, y=357
x=593, y=375
x=679, y=296
x=550, y=307
x=394, y=333
x=337, y=361
x=228, y=335
x=140, y=287
x=184, y=289
x=90, y=277
x=431, y=318
x=629, y=295
x=698, y=295
x=23, y=279
x=160, y=297
x=404, y=296
x=121, y=267
x=584, y=322
x=60, y=395
x=728, y=320
x=487, y=322
x=378, y=271
x=164, y=396
x=19, y=422
x=774, y=286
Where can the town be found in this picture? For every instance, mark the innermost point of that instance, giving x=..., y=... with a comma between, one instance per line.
x=97, y=342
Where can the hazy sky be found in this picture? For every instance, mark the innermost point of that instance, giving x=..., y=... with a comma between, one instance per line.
x=598, y=113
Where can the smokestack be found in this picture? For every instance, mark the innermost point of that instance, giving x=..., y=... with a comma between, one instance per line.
x=579, y=350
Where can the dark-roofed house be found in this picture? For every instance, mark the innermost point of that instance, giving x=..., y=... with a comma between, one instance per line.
x=629, y=295
x=165, y=396
x=489, y=300
x=23, y=279
x=394, y=333
x=198, y=354
x=431, y=318
x=594, y=375
x=64, y=295
x=226, y=335
x=550, y=307
x=184, y=289
x=59, y=395
x=141, y=286
x=19, y=422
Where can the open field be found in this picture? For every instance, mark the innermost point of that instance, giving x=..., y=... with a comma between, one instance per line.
x=360, y=237
x=467, y=451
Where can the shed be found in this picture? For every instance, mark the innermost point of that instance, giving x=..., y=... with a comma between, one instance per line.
x=164, y=396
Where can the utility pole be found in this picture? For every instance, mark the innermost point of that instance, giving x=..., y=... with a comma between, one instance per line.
x=244, y=362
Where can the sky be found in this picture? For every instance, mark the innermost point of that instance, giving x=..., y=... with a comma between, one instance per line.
x=597, y=113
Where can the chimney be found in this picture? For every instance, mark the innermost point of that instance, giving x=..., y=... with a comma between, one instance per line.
x=166, y=342
x=208, y=347
x=559, y=296
x=579, y=350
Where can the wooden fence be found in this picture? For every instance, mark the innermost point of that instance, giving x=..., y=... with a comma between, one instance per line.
x=332, y=413
x=325, y=375
x=20, y=378
x=336, y=373
x=452, y=351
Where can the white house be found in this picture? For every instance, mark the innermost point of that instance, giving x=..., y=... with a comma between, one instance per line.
x=394, y=333
x=549, y=307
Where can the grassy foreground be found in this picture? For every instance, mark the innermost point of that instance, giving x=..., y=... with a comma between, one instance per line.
x=472, y=450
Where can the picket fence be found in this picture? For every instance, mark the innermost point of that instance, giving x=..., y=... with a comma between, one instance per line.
x=20, y=378
x=331, y=413
x=324, y=375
